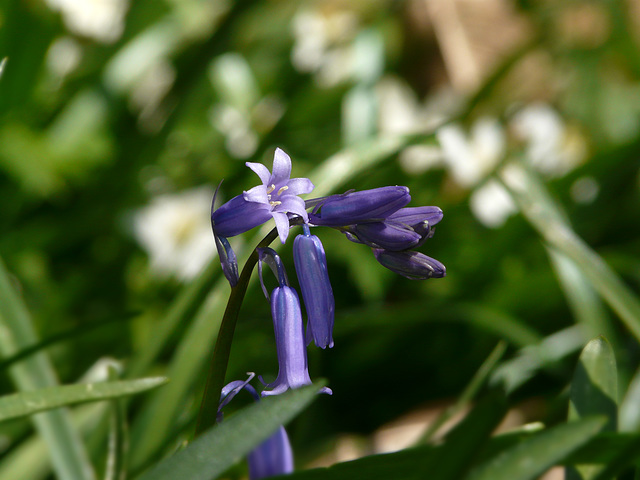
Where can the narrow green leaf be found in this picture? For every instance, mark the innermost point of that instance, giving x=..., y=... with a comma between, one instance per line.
x=541, y=210
x=117, y=442
x=629, y=411
x=622, y=460
x=31, y=460
x=529, y=360
x=222, y=446
x=466, y=440
x=586, y=305
x=594, y=388
x=602, y=449
x=27, y=403
x=471, y=390
x=530, y=458
x=68, y=453
x=594, y=391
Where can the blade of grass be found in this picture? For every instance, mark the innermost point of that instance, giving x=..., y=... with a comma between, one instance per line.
x=516, y=371
x=468, y=394
x=116, y=445
x=629, y=411
x=542, y=212
x=68, y=453
x=466, y=440
x=58, y=337
x=594, y=391
x=530, y=458
x=583, y=300
x=182, y=309
x=30, y=461
x=35, y=401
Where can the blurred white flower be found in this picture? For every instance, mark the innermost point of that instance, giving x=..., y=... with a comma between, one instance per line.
x=102, y=20
x=322, y=44
x=547, y=139
x=175, y=230
x=491, y=204
x=471, y=157
x=63, y=56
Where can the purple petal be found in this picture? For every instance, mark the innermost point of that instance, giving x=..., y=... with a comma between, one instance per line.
x=387, y=235
x=261, y=171
x=282, y=224
x=272, y=457
x=311, y=267
x=238, y=216
x=299, y=186
x=415, y=215
x=290, y=344
x=281, y=167
x=231, y=389
x=291, y=204
x=256, y=194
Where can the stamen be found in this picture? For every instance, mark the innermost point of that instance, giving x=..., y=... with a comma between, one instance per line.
x=282, y=189
x=275, y=203
x=271, y=188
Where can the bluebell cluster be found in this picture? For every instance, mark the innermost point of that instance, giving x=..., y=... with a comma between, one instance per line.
x=377, y=218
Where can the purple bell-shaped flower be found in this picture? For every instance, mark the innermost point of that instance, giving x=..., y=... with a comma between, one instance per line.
x=291, y=347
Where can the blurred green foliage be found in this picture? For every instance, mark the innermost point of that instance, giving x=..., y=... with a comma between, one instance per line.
x=109, y=108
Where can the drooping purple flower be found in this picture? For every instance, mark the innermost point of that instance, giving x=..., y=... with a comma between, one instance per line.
x=358, y=207
x=410, y=264
x=290, y=342
x=404, y=229
x=272, y=457
x=311, y=267
x=276, y=198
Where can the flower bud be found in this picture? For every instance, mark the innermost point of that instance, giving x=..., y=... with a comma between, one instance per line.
x=311, y=267
x=412, y=265
x=358, y=207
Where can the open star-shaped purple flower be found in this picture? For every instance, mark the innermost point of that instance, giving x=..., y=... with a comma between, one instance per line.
x=279, y=193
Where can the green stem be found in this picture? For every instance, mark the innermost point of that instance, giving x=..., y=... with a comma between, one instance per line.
x=222, y=349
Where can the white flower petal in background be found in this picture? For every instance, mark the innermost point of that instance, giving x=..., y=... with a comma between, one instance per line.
x=63, y=56
x=175, y=230
x=491, y=204
x=470, y=158
x=417, y=159
x=547, y=140
x=102, y=20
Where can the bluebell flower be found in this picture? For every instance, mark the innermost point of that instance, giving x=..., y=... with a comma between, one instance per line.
x=311, y=267
x=410, y=264
x=358, y=207
x=404, y=229
x=293, y=371
x=276, y=198
x=272, y=457
x=291, y=347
